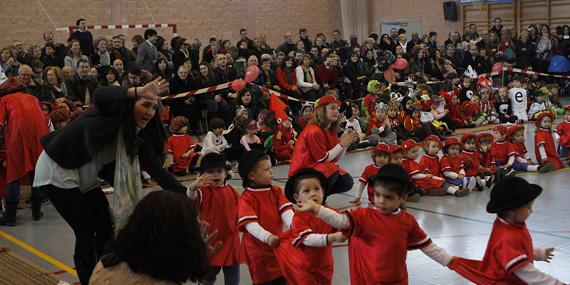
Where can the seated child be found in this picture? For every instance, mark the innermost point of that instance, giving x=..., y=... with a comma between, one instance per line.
x=306, y=116
x=453, y=167
x=440, y=114
x=263, y=209
x=503, y=107
x=471, y=159
x=487, y=107
x=473, y=112
x=487, y=166
x=379, y=127
x=538, y=105
x=520, y=158
x=426, y=183
x=430, y=163
x=519, y=100
x=544, y=147
x=413, y=127
x=181, y=146
x=380, y=237
x=396, y=154
x=371, y=99
x=352, y=115
x=395, y=122
x=218, y=204
x=305, y=252
x=456, y=116
x=215, y=142
x=250, y=140
x=510, y=254
x=562, y=136
x=284, y=140
x=380, y=157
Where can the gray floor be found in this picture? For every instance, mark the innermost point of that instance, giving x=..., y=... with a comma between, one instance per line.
x=460, y=225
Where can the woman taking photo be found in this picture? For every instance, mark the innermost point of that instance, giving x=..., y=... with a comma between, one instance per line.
x=112, y=141
x=319, y=147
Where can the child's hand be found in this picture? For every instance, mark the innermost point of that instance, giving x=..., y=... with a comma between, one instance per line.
x=204, y=181
x=273, y=240
x=335, y=237
x=543, y=161
x=460, y=176
x=291, y=142
x=355, y=201
x=307, y=206
x=548, y=254
x=185, y=155
x=207, y=236
x=428, y=175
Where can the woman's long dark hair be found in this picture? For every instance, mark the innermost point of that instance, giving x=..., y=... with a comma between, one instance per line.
x=161, y=239
x=151, y=139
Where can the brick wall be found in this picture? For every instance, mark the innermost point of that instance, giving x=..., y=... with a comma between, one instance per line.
x=26, y=20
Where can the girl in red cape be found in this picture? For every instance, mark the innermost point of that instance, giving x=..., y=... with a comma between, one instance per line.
x=319, y=147
x=22, y=123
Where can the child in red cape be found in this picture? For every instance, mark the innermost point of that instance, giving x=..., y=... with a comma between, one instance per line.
x=510, y=254
x=181, y=146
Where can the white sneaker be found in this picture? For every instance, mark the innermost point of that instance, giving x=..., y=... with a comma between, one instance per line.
x=472, y=183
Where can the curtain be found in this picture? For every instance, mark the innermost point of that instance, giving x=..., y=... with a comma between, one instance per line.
x=354, y=14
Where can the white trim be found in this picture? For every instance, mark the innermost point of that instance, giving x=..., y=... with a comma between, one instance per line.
x=420, y=242
x=258, y=189
x=515, y=260
x=246, y=218
x=285, y=206
x=300, y=236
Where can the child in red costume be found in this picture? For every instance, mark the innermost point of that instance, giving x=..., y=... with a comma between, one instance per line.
x=218, y=203
x=456, y=116
x=396, y=154
x=380, y=237
x=562, y=136
x=471, y=159
x=520, y=159
x=453, y=168
x=262, y=212
x=510, y=254
x=473, y=112
x=380, y=157
x=544, y=147
x=369, y=102
x=305, y=252
x=284, y=140
x=305, y=117
x=430, y=162
x=487, y=166
x=502, y=150
x=426, y=183
x=181, y=146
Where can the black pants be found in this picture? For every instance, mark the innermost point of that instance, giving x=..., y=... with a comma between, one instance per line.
x=338, y=184
x=89, y=217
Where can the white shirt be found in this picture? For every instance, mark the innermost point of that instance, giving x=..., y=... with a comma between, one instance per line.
x=519, y=100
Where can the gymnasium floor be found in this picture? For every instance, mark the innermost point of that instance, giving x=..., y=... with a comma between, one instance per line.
x=459, y=225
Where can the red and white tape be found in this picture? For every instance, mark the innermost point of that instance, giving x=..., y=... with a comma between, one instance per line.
x=226, y=86
x=70, y=29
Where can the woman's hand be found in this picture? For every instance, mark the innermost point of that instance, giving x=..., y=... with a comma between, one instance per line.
x=347, y=138
x=153, y=88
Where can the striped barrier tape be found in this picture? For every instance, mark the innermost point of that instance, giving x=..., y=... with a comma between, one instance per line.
x=70, y=29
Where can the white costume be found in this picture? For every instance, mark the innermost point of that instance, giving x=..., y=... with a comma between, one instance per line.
x=519, y=103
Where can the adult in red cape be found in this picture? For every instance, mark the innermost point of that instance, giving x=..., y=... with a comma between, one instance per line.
x=319, y=146
x=23, y=124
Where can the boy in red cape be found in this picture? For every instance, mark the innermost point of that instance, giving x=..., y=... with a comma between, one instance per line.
x=284, y=136
x=510, y=254
x=544, y=147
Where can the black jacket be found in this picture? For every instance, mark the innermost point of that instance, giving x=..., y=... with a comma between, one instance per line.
x=76, y=87
x=95, y=130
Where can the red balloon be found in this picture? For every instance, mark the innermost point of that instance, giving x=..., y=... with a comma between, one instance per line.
x=390, y=75
x=400, y=64
x=251, y=73
x=237, y=85
x=497, y=67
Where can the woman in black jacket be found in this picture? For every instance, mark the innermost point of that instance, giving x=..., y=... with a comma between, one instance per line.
x=525, y=51
x=106, y=142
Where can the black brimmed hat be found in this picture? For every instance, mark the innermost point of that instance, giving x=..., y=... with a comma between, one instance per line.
x=305, y=172
x=393, y=172
x=212, y=160
x=247, y=164
x=511, y=193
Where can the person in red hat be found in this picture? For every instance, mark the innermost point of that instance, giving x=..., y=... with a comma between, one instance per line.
x=181, y=146
x=284, y=136
x=473, y=112
x=22, y=124
x=520, y=159
x=544, y=147
x=501, y=150
x=319, y=146
x=562, y=136
x=487, y=166
x=453, y=168
x=471, y=159
x=379, y=129
x=380, y=157
x=396, y=154
x=456, y=116
x=510, y=255
x=425, y=182
x=430, y=162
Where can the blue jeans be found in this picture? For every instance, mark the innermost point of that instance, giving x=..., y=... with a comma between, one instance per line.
x=563, y=152
x=521, y=166
x=455, y=182
x=13, y=192
x=231, y=275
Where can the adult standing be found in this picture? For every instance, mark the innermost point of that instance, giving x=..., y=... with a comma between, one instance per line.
x=84, y=37
x=22, y=123
x=319, y=147
x=147, y=54
x=106, y=142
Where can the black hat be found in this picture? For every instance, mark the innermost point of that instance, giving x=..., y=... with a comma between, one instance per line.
x=303, y=173
x=247, y=163
x=393, y=172
x=510, y=193
x=212, y=160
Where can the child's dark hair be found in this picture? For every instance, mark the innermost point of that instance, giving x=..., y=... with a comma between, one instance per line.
x=292, y=185
x=391, y=185
x=217, y=123
x=249, y=162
